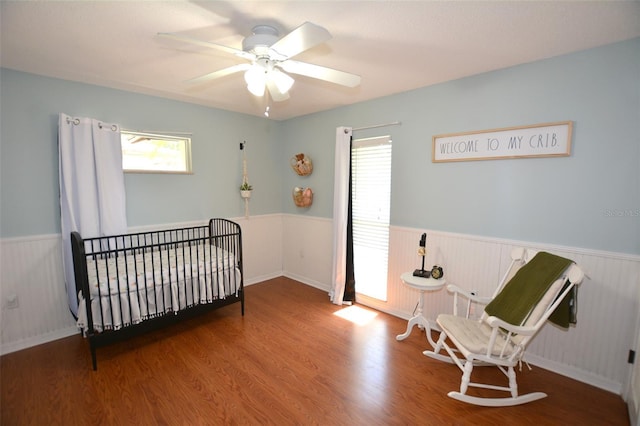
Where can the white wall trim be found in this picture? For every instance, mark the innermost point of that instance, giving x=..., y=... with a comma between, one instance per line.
x=633, y=412
x=261, y=278
x=38, y=340
x=305, y=217
x=306, y=281
x=30, y=238
x=587, y=251
x=520, y=243
x=573, y=373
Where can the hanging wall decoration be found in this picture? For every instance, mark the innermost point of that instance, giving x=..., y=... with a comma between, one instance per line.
x=301, y=164
x=302, y=197
x=537, y=140
x=245, y=188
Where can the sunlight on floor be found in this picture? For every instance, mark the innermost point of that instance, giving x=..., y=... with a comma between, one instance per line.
x=356, y=315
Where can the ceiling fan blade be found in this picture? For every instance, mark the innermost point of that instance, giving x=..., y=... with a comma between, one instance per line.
x=208, y=44
x=322, y=73
x=300, y=39
x=220, y=73
x=275, y=92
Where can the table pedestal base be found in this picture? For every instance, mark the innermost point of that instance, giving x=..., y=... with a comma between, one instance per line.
x=422, y=284
x=423, y=324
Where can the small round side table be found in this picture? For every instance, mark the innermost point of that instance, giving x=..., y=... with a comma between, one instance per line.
x=423, y=285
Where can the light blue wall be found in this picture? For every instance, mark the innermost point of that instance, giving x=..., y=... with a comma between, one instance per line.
x=29, y=158
x=590, y=199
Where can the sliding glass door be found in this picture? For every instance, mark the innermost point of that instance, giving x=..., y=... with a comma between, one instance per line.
x=371, y=197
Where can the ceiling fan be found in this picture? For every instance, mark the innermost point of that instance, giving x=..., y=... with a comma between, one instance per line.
x=270, y=59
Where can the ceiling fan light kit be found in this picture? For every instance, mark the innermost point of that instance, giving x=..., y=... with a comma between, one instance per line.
x=270, y=55
x=262, y=74
x=282, y=80
x=256, y=79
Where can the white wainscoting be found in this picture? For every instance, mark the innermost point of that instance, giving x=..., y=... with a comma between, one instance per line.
x=595, y=351
x=308, y=250
x=261, y=247
x=32, y=272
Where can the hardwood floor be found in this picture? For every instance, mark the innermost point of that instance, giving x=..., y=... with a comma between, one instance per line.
x=289, y=360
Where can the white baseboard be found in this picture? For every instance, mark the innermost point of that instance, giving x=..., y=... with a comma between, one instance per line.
x=574, y=373
x=633, y=412
x=261, y=278
x=307, y=281
x=38, y=340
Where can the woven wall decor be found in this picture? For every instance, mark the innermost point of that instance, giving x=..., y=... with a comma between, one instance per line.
x=301, y=164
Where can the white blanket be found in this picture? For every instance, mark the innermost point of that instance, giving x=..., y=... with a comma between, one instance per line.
x=129, y=289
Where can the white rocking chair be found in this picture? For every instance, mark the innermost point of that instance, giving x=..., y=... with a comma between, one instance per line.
x=499, y=338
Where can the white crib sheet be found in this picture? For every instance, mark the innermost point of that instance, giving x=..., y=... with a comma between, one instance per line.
x=173, y=280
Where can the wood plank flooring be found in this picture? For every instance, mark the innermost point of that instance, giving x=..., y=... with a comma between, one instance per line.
x=288, y=361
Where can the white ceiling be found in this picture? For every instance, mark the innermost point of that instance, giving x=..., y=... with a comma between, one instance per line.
x=394, y=46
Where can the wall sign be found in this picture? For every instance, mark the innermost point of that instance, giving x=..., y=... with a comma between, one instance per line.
x=538, y=140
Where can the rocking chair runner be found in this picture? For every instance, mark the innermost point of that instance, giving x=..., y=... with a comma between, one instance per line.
x=535, y=286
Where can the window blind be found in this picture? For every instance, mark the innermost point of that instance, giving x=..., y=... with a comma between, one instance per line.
x=371, y=202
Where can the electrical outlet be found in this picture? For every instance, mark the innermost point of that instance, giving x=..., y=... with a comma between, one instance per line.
x=12, y=302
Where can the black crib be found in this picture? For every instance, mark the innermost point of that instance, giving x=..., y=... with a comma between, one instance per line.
x=132, y=283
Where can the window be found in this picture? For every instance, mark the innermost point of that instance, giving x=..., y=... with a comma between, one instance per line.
x=152, y=153
x=371, y=198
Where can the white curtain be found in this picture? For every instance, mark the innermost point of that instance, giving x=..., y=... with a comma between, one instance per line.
x=340, y=212
x=92, y=193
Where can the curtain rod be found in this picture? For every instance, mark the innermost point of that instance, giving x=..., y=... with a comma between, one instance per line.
x=157, y=132
x=114, y=127
x=76, y=122
x=395, y=123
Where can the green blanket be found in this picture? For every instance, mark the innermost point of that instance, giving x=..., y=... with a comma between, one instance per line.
x=521, y=294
